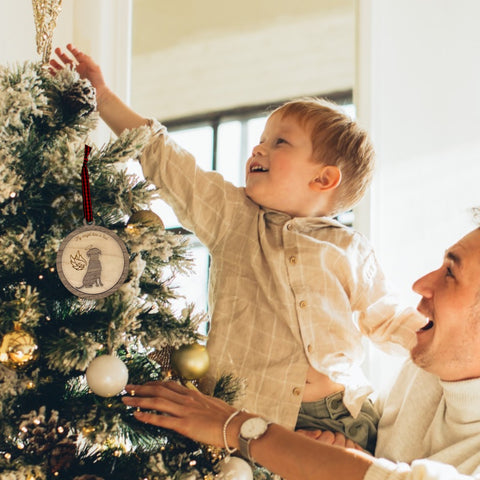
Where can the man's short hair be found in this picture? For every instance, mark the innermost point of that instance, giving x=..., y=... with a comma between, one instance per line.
x=337, y=140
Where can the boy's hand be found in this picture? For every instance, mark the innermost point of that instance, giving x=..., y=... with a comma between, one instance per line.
x=83, y=64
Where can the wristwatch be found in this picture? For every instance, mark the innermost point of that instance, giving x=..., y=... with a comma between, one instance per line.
x=251, y=429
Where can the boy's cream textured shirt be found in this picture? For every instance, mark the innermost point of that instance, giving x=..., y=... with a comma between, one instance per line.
x=282, y=290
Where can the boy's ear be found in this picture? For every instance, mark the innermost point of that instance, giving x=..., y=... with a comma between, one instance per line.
x=327, y=178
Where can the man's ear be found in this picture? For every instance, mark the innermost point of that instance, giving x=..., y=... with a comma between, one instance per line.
x=327, y=178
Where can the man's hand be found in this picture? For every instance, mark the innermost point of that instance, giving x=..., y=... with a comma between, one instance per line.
x=330, y=438
x=189, y=412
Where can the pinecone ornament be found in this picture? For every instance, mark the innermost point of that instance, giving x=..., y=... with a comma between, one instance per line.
x=78, y=100
x=49, y=438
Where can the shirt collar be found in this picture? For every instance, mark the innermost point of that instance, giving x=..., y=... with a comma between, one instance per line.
x=303, y=223
x=462, y=399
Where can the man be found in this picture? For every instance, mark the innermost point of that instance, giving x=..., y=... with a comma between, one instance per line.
x=430, y=421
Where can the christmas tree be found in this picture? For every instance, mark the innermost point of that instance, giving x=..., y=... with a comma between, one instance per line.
x=60, y=417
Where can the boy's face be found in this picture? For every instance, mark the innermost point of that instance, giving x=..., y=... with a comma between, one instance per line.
x=281, y=167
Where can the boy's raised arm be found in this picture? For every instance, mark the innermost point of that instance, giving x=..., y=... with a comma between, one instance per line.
x=116, y=114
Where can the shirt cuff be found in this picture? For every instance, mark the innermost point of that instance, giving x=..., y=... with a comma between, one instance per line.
x=382, y=469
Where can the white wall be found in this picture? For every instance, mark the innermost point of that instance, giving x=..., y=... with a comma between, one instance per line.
x=17, y=35
x=100, y=27
x=256, y=52
x=418, y=93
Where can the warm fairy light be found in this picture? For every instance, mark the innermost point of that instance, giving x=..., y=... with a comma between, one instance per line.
x=13, y=194
x=20, y=446
x=40, y=277
x=8, y=456
x=132, y=230
x=56, y=474
x=117, y=453
x=24, y=429
x=52, y=269
x=30, y=385
x=192, y=463
x=60, y=429
x=36, y=421
x=47, y=318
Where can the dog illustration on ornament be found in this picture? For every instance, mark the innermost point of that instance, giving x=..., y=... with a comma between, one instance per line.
x=92, y=277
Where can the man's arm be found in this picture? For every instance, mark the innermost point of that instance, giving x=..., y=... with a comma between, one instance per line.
x=282, y=451
x=116, y=114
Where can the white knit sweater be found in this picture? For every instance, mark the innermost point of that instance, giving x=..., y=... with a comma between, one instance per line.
x=429, y=429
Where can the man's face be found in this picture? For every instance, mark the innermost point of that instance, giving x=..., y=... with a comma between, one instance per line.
x=449, y=345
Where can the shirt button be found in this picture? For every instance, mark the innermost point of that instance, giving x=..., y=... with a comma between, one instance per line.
x=293, y=260
x=310, y=348
x=289, y=226
x=303, y=304
x=297, y=391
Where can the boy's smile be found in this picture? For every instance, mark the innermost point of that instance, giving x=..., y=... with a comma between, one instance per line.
x=256, y=167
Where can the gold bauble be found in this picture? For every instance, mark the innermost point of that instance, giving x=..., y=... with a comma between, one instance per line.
x=145, y=218
x=19, y=349
x=190, y=362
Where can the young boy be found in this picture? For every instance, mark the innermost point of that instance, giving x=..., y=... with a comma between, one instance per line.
x=285, y=278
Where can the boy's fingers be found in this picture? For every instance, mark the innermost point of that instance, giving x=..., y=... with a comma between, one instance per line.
x=63, y=57
x=75, y=52
x=55, y=65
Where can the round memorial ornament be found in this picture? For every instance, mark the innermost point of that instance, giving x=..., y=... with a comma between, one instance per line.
x=92, y=262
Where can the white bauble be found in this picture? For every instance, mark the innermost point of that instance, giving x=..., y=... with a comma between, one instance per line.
x=107, y=375
x=235, y=468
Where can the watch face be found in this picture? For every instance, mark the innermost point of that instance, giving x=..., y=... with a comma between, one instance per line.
x=253, y=428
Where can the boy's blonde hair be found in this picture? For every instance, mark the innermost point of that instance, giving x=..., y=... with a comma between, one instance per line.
x=336, y=140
